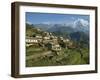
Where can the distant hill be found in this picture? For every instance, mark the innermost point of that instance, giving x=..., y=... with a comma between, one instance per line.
x=80, y=37
x=59, y=28
x=31, y=30
x=43, y=27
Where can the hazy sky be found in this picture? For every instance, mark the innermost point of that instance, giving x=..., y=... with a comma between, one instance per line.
x=50, y=18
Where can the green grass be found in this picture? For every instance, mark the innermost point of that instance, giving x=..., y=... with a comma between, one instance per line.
x=74, y=57
x=65, y=57
x=33, y=50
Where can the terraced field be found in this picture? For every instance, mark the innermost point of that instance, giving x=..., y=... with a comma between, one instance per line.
x=37, y=56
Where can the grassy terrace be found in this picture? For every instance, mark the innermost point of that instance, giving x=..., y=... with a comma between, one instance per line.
x=38, y=56
x=33, y=50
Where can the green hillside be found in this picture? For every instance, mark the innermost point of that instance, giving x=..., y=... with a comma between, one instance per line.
x=39, y=54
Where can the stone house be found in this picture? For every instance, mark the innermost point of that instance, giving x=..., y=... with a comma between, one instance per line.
x=56, y=47
x=53, y=46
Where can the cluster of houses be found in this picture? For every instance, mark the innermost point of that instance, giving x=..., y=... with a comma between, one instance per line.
x=47, y=41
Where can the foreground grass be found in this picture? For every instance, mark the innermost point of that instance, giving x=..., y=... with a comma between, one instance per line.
x=65, y=57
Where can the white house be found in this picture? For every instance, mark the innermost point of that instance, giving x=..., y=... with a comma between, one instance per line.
x=31, y=40
x=46, y=37
x=56, y=47
x=39, y=37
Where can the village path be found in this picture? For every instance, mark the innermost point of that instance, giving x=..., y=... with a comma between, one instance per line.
x=38, y=55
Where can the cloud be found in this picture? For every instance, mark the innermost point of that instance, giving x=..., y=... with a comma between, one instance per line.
x=28, y=22
x=80, y=22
